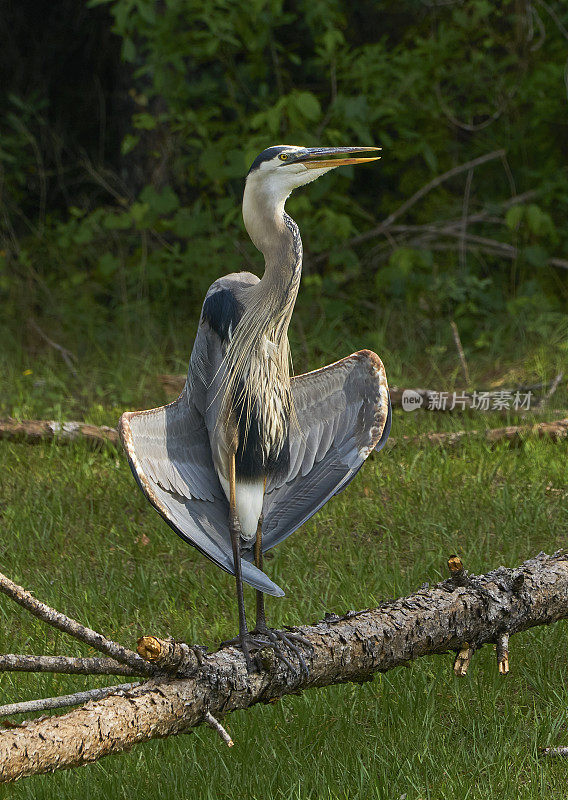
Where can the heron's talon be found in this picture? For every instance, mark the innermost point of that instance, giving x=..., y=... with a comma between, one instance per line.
x=279, y=640
x=249, y=643
x=297, y=637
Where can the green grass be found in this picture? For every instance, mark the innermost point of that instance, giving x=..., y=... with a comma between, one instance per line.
x=78, y=533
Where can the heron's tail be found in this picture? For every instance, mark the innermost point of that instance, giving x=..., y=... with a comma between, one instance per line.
x=256, y=578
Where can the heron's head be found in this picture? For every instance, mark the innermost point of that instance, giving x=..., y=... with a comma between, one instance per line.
x=278, y=170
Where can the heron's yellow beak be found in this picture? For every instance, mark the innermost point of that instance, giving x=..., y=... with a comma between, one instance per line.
x=318, y=152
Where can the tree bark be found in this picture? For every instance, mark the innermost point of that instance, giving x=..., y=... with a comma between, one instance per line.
x=40, y=430
x=556, y=431
x=66, y=665
x=461, y=613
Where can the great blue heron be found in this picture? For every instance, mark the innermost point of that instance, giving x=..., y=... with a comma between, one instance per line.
x=247, y=454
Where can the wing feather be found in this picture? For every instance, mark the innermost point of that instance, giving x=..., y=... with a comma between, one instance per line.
x=169, y=452
x=344, y=413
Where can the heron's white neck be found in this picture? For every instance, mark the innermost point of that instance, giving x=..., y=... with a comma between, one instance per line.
x=277, y=237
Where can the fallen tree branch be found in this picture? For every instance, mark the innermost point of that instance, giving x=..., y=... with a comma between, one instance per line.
x=557, y=431
x=41, y=430
x=67, y=665
x=58, y=620
x=342, y=648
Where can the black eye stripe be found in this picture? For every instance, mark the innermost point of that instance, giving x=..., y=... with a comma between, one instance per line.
x=268, y=154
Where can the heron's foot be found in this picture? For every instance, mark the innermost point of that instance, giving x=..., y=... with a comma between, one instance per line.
x=280, y=641
x=249, y=644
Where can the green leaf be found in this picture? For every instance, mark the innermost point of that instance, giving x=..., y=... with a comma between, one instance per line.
x=163, y=202
x=308, y=105
x=129, y=143
x=138, y=212
x=539, y=222
x=144, y=121
x=514, y=216
x=147, y=11
x=128, y=50
x=108, y=264
x=536, y=255
x=117, y=221
x=83, y=234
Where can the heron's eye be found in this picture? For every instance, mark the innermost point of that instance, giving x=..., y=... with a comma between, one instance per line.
x=283, y=156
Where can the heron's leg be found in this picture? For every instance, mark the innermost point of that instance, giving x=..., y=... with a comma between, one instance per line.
x=277, y=639
x=260, y=614
x=235, y=531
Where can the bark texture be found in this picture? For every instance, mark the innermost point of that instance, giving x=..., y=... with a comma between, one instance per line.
x=464, y=609
x=41, y=430
x=68, y=665
x=556, y=431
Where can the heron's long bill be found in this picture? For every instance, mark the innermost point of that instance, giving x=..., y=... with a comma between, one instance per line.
x=317, y=152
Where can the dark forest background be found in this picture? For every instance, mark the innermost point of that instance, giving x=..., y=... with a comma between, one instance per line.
x=128, y=126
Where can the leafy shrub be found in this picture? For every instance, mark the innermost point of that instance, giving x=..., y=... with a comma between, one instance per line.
x=214, y=82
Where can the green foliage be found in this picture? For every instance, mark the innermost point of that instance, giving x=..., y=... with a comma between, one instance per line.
x=214, y=82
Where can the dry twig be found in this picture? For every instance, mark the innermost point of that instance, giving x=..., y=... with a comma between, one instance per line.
x=67, y=356
x=216, y=725
x=58, y=620
x=379, y=229
x=49, y=703
x=461, y=353
x=67, y=665
x=463, y=660
x=553, y=387
x=503, y=653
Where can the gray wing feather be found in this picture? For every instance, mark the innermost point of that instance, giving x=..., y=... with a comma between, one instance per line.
x=169, y=452
x=343, y=411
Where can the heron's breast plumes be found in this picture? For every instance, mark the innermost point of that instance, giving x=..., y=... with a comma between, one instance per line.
x=257, y=413
x=260, y=410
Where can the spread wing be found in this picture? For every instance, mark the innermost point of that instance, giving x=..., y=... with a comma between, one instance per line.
x=343, y=413
x=169, y=452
